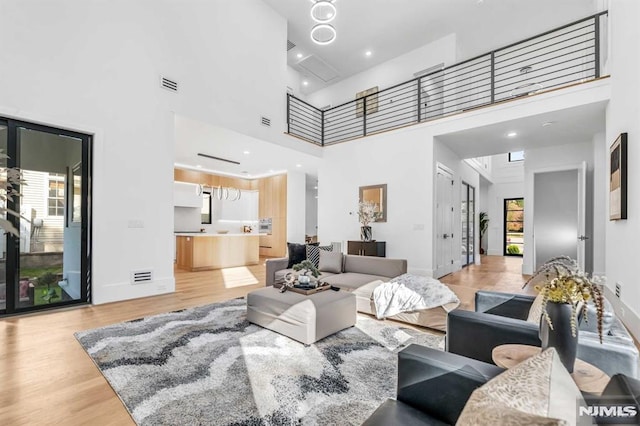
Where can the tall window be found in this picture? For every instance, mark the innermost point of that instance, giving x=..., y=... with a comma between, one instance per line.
x=55, y=200
x=514, y=227
x=205, y=211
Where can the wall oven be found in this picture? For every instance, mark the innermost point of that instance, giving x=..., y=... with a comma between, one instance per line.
x=265, y=226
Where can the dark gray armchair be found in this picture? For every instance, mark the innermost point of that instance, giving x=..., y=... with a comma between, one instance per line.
x=500, y=318
x=434, y=387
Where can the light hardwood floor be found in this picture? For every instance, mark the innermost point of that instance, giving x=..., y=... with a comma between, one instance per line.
x=46, y=378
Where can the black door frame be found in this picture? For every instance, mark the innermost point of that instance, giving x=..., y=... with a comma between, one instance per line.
x=12, y=264
x=470, y=231
x=504, y=226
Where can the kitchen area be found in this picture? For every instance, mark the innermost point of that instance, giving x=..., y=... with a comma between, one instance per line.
x=222, y=221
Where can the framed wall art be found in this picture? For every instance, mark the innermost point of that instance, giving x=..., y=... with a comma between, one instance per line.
x=618, y=178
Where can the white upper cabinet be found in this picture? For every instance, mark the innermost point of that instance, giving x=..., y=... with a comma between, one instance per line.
x=186, y=195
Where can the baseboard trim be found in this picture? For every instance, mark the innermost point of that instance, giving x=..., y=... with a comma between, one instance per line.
x=628, y=317
x=420, y=271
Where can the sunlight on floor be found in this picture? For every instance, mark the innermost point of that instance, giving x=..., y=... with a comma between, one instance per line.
x=238, y=277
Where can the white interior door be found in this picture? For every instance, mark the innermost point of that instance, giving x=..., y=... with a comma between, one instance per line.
x=560, y=215
x=444, y=223
x=582, y=212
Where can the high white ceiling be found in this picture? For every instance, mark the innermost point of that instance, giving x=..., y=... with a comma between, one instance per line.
x=390, y=28
x=256, y=157
x=568, y=126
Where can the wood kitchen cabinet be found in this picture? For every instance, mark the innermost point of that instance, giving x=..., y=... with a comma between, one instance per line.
x=201, y=252
x=367, y=248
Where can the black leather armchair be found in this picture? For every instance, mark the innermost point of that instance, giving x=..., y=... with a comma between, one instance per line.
x=500, y=318
x=433, y=387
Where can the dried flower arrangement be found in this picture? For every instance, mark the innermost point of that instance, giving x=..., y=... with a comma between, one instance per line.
x=565, y=282
x=368, y=212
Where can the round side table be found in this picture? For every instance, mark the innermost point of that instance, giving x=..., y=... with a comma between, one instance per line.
x=588, y=378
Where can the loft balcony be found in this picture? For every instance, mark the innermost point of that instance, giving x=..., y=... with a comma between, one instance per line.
x=562, y=57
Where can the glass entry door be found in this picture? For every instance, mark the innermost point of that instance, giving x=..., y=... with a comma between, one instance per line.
x=514, y=227
x=468, y=215
x=47, y=263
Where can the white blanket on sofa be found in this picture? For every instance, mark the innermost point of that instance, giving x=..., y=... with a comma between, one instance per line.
x=408, y=293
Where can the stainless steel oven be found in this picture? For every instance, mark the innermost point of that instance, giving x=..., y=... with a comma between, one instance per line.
x=265, y=226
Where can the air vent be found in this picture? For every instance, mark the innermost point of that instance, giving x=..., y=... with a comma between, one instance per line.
x=290, y=45
x=618, y=290
x=265, y=121
x=142, y=276
x=319, y=68
x=168, y=84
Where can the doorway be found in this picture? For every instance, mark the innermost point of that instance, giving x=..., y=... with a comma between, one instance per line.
x=468, y=214
x=47, y=263
x=559, y=215
x=444, y=222
x=513, y=227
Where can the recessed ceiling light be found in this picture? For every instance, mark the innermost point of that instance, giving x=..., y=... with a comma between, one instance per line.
x=199, y=166
x=246, y=152
x=548, y=123
x=315, y=187
x=299, y=55
x=305, y=83
x=368, y=53
x=512, y=134
x=298, y=165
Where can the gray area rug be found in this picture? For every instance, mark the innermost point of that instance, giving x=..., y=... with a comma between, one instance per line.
x=209, y=366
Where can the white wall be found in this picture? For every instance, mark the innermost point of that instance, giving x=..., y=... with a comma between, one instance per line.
x=296, y=207
x=557, y=158
x=388, y=73
x=622, y=116
x=508, y=182
x=405, y=161
x=94, y=67
x=311, y=211
x=483, y=206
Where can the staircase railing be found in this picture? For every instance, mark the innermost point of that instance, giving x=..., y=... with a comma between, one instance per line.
x=560, y=57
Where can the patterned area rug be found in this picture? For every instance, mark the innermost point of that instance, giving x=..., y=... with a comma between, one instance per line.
x=208, y=365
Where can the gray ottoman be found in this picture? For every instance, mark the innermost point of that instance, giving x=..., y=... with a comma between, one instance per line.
x=306, y=319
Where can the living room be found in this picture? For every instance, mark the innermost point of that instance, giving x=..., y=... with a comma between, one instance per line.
x=94, y=68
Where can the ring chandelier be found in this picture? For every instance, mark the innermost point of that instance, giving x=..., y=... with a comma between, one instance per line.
x=221, y=193
x=323, y=12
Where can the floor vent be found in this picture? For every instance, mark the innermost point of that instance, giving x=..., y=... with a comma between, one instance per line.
x=168, y=84
x=618, y=290
x=290, y=45
x=142, y=276
x=265, y=121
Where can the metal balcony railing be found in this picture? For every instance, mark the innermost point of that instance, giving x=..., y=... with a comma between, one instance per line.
x=563, y=56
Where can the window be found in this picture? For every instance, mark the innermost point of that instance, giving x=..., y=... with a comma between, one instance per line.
x=516, y=156
x=514, y=227
x=55, y=199
x=205, y=211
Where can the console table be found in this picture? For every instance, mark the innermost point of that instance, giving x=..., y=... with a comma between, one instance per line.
x=367, y=248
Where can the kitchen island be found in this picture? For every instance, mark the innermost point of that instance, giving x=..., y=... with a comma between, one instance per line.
x=202, y=251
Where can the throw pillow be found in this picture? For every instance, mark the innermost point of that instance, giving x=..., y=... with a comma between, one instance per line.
x=297, y=253
x=330, y=261
x=533, y=390
x=313, y=253
x=535, y=312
